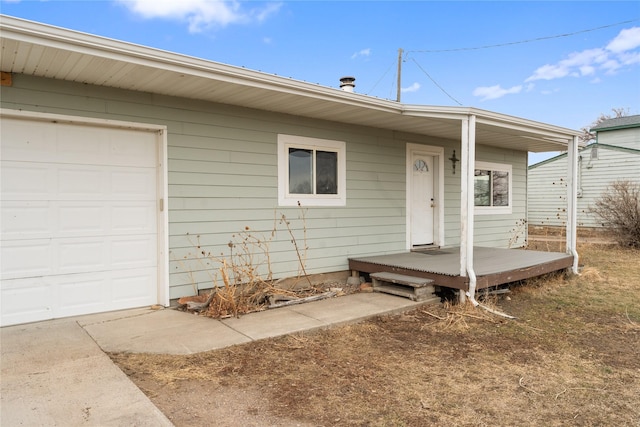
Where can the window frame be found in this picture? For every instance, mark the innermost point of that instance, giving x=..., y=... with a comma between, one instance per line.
x=316, y=144
x=492, y=167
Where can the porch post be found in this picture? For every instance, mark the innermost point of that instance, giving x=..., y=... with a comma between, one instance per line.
x=572, y=200
x=467, y=168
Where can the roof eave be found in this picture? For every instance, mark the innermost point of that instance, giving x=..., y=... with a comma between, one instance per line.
x=312, y=100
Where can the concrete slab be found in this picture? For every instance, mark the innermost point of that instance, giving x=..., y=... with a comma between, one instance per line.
x=272, y=323
x=54, y=374
x=354, y=308
x=162, y=332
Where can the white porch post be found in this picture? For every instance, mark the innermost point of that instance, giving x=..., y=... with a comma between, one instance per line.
x=572, y=200
x=467, y=168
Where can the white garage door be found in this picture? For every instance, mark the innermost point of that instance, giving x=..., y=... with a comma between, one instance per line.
x=78, y=218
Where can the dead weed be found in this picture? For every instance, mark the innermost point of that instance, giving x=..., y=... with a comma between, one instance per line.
x=570, y=359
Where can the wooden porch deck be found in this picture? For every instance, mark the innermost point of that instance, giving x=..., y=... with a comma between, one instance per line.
x=493, y=266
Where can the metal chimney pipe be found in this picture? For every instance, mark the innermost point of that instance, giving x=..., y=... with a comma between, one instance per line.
x=347, y=83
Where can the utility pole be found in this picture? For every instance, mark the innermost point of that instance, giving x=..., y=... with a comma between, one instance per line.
x=399, y=74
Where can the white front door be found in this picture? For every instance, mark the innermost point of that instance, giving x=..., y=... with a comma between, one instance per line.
x=422, y=199
x=79, y=219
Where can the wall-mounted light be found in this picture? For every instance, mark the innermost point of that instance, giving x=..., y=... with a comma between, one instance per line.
x=454, y=160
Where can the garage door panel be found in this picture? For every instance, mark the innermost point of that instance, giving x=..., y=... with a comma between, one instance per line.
x=133, y=217
x=134, y=184
x=26, y=181
x=79, y=183
x=26, y=219
x=80, y=294
x=79, y=219
x=143, y=154
x=27, y=258
x=22, y=140
x=26, y=300
x=80, y=211
x=82, y=255
x=133, y=287
x=70, y=143
x=133, y=252
x=79, y=144
x=43, y=219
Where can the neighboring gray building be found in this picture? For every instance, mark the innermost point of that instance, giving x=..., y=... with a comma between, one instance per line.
x=615, y=155
x=119, y=162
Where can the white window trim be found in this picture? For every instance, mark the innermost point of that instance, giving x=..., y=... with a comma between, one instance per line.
x=491, y=210
x=286, y=199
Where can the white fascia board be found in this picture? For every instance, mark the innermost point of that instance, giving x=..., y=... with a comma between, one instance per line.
x=436, y=112
x=543, y=131
x=129, y=53
x=555, y=133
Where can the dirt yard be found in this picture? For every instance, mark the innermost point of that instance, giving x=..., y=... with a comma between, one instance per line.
x=572, y=358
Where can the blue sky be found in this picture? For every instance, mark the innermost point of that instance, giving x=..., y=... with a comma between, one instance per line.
x=577, y=59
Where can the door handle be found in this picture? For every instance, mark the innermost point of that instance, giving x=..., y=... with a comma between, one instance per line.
x=433, y=204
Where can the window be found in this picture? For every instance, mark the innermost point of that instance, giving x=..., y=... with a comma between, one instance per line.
x=492, y=188
x=311, y=171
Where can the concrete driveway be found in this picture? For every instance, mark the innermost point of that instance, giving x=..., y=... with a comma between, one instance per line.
x=54, y=374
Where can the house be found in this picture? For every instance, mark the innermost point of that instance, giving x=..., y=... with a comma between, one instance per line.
x=615, y=155
x=119, y=162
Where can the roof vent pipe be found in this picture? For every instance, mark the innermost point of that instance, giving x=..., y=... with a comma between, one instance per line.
x=347, y=83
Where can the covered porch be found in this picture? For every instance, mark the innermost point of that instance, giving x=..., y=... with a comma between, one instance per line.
x=493, y=266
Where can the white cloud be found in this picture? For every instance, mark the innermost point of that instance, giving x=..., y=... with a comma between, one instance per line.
x=364, y=52
x=587, y=70
x=617, y=54
x=630, y=58
x=199, y=14
x=571, y=66
x=628, y=39
x=495, y=92
x=413, y=88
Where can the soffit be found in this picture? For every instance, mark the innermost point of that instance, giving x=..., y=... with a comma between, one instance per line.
x=45, y=51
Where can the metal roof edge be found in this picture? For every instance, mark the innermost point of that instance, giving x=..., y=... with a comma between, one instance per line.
x=615, y=147
x=623, y=122
x=549, y=160
x=25, y=30
x=103, y=47
x=593, y=145
x=489, y=117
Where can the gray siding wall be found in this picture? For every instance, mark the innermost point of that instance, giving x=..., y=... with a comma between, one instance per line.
x=222, y=167
x=547, y=184
x=629, y=138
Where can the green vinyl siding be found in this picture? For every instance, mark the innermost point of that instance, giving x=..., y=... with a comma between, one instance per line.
x=222, y=179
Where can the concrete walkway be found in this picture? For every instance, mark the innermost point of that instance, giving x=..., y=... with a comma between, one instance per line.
x=55, y=373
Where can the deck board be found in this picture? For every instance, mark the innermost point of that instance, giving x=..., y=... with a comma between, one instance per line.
x=493, y=266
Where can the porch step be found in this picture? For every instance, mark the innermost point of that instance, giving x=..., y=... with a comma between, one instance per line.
x=414, y=288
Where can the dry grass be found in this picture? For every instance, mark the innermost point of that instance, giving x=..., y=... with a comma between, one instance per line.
x=571, y=359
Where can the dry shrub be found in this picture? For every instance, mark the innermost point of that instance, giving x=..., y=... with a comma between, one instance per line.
x=243, y=279
x=619, y=210
x=591, y=274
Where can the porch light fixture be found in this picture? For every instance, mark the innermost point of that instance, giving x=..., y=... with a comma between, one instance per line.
x=454, y=160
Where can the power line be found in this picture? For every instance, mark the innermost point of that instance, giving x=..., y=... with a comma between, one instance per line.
x=382, y=77
x=557, y=36
x=436, y=83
